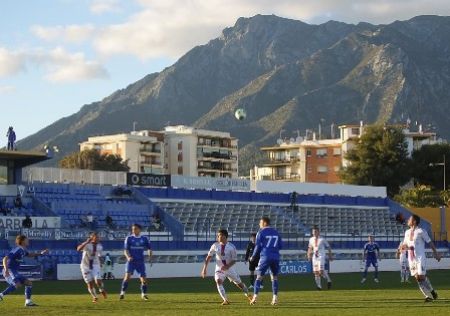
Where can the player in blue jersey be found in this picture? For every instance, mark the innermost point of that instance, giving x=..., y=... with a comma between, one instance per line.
x=11, y=265
x=267, y=246
x=371, y=257
x=134, y=248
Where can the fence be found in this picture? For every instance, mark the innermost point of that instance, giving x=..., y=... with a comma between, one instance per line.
x=57, y=175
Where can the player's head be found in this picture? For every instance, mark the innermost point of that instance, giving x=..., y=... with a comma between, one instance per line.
x=22, y=241
x=264, y=222
x=316, y=231
x=253, y=237
x=222, y=235
x=414, y=220
x=94, y=237
x=371, y=238
x=136, y=229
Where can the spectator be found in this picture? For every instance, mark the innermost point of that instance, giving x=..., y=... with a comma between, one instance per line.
x=27, y=222
x=18, y=202
x=157, y=222
x=90, y=221
x=107, y=268
x=11, y=138
x=110, y=222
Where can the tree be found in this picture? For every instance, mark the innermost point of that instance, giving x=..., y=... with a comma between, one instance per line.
x=380, y=158
x=427, y=165
x=93, y=160
x=422, y=196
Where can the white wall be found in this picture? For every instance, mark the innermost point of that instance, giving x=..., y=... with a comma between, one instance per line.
x=178, y=270
x=319, y=188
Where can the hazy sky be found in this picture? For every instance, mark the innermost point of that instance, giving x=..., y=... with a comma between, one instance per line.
x=56, y=55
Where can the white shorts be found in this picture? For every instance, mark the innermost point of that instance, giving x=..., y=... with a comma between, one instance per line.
x=231, y=274
x=418, y=266
x=318, y=263
x=90, y=275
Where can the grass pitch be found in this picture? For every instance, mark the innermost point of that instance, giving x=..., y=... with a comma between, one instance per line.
x=195, y=296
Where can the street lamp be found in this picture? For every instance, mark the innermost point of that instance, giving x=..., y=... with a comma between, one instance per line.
x=441, y=164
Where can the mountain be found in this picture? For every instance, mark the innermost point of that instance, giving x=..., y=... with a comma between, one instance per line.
x=289, y=76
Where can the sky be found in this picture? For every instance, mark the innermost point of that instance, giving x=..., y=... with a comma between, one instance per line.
x=57, y=55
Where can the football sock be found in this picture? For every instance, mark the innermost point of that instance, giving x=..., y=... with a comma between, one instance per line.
x=275, y=287
x=424, y=288
x=221, y=291
x=365, y=273
x=144, y=288
x=28, y=292
x=252, y=279
x=318, y=282
x=326, y=276
x=124, y=287
x=244, y=288
x=9, y=289
x=257, y=286
x=376, y=272
x=92, y=291
x=428, y=284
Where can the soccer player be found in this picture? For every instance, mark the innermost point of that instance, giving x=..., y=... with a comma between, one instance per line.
x=402, y=255
x=251, y=264
x=415, y=240
x=11, y=265
x=371, y=256
x=226, y=258
x=317, y=253
x=135, y=245
x=91, y=265
x=267, y=246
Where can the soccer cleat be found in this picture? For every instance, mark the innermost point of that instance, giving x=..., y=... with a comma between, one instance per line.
x=145, y=297
x=435, y=295
x=274, y=301
x=94, y=299
x=122, y=297
x=226, y=302
x=248, y=296
x=363, y=280
x=253, y=301
x=31, y=304
x=428, y=299
x=376, y=280
x=319, y=288
x=104, y=294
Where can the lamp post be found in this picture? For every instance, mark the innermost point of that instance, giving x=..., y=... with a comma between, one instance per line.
x=441, y=164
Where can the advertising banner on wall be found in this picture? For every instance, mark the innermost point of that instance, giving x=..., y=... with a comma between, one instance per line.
x=31, y=272
x=147, y=179
x=15, y=222
x=295, y=267
x=209, y=183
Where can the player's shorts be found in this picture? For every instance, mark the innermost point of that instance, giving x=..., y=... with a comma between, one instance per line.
x=418, y=266
x=266, y=264
x=90, y=275
x=404, y=263
x=230, y=274
x=318, y=263
x=14, y=277
x=252, y=265
x=138, y=266
x=371, y=262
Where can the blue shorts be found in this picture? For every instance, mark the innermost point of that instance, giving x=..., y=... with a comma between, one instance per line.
x=266, y=264
x=14, y=277
x=138, y=266
x=371, y=262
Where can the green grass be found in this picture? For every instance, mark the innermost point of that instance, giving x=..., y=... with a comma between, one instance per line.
x=195, y=296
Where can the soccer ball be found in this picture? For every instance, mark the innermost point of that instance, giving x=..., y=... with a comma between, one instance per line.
x=240, y=114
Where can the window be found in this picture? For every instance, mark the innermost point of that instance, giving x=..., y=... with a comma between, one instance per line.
x=355, y=130
x=180, y=145
x=308, y=152
x=336, y=151
x=309, y=169
x=180, y=156
x=321, y=152
x=180, y=169
x=322, y=169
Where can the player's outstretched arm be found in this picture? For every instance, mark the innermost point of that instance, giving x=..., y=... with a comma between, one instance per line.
x=436, y=254
x=309, y=253
x=84, y=244
x=205, y=266
x=37, y=254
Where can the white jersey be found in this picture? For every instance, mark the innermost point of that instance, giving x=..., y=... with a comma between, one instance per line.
x=319, y=246
x=91, y=256
x=415, y=240
x=224, y=254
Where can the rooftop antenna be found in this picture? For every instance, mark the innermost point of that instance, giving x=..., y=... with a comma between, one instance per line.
x=134, y=126
x=332, y=130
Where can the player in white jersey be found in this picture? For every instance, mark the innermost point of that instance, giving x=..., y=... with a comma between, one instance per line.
x=402, y=256
x=226, y=258
x=415, y=240
x=91, y=265
x=317, y=250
